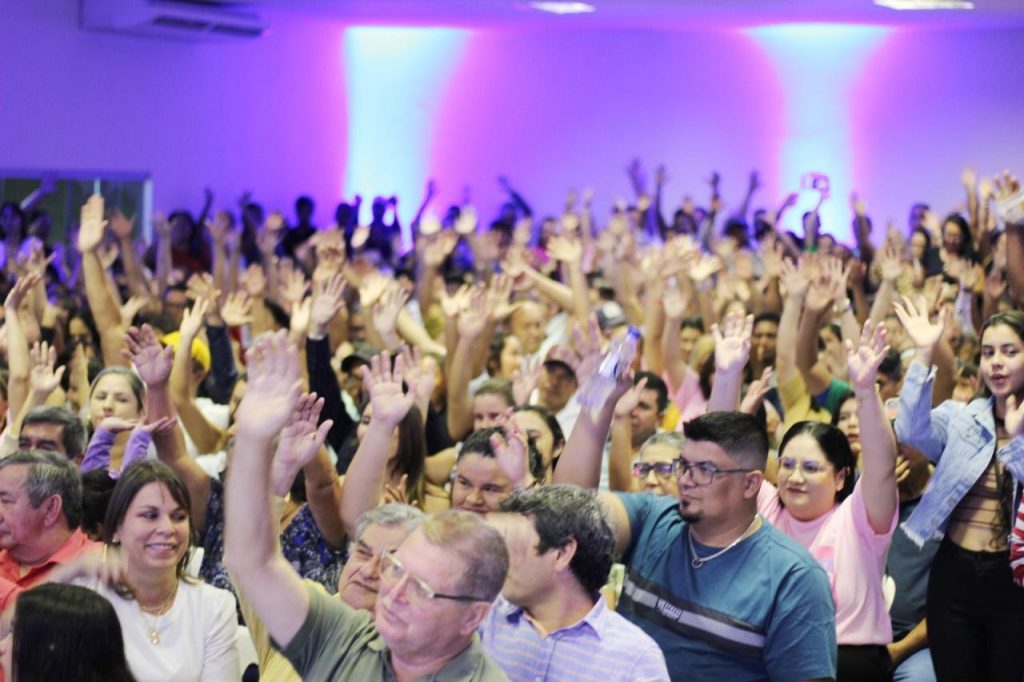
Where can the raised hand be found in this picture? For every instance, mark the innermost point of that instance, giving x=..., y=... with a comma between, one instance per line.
x=467, y=221
x=565, y=249
x=108, y=254
x=91, y=224
x=474, y=314
x=674, y=301
x=732, y=342
x=396, y=494
x=298, y=322
x=237, y=309
x=913, y=315
x=630, y=399
x=704, y=267
x=890, y=262
x=299, y=442
x=771, y=256
x=587, y=341
x=511, y=450
x=17, y=294
x=152, y=361
x=437, y=249
x=371, y=289
x=43, y=379
x=386, y=309
x=219, y=226
x=1013, y=421
x=118, y=424
x=452, y=304
x=131, y=308
x=293, y=287
x=794, y=280
x=525, y=379
x=863, y=361
x=419, y=380
x=1009, y=198
x=389, y=402
x=756, y=392
x=273, y=390
x=328, y=298
x=498, y=293
x=192, y=320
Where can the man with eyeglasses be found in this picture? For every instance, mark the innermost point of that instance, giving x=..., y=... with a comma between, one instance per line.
x=725, y=595
x=434, y=590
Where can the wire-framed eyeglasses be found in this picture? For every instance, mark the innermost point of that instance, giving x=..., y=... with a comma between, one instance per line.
x=393, y=571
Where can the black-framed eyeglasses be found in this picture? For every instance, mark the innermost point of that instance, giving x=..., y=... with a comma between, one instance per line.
x=702, y=473
x=660, y=469
x=393, y=571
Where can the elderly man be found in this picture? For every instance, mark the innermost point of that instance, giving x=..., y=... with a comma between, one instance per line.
x=435, y=589
x=551, y=621
x=724, y=594
x=40, y=511
x=378, y=531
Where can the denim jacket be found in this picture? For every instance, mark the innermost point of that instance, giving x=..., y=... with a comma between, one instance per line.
x=959, y=439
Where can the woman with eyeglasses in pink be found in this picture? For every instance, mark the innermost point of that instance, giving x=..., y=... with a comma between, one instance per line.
x=846, y=524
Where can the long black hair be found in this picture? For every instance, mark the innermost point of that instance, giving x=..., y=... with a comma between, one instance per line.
x=67, y=632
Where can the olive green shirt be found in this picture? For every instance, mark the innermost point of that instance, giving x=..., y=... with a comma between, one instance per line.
x=336, y=642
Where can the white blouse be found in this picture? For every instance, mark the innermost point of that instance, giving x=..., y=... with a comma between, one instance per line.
x=195, y=638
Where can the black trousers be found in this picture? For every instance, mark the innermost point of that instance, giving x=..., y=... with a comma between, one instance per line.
x=867, y=663
x=975, y=617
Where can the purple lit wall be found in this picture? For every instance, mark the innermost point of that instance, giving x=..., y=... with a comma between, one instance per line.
x=325, y=109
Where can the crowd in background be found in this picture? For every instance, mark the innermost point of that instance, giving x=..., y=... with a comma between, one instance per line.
x=256, y=445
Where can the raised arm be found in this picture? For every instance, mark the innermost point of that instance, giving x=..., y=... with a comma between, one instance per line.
x=795, y=283
x=675, y=303
x=472, y=321
x=154, y=364
x=829, y=288
x=123, y=228
x=17, y=345
x=878, y=458
x=251, y=551
x=620, y=458
x=205, y=435
x=732, y=349
x=364, y=480
x=105, y=309
x=1009, y=205
x=328, y=299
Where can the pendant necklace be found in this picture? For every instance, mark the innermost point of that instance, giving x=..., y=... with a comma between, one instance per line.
x=154, y=634
x=698, y=561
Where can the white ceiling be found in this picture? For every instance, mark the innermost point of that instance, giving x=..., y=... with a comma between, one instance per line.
x=659, y=14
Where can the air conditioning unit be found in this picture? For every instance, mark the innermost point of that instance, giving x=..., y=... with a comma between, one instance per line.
x=171, y=19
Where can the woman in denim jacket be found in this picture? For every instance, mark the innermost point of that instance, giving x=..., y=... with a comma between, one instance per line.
x=975, y=612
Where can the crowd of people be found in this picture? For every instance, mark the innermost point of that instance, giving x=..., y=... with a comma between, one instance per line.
x=689, y=447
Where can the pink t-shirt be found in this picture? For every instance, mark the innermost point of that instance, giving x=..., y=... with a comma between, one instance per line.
x=688, y=398
x=853, y=556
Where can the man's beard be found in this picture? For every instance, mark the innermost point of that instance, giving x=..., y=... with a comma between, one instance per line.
x=690, y=516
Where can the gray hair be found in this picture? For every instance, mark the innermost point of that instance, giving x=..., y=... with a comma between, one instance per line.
x=49, y=474
x=73, y=435
x=675, y=439
x=477, y=543
x=392, y=515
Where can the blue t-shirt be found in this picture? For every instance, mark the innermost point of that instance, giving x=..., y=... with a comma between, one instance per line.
x=762, y=610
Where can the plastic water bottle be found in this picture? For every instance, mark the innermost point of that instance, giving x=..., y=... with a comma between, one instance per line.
x=594, y=393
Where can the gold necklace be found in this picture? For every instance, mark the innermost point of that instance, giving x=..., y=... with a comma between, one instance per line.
x=154, y=635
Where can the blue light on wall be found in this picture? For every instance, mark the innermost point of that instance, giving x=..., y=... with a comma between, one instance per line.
x=395, y=78
x=818, y=66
